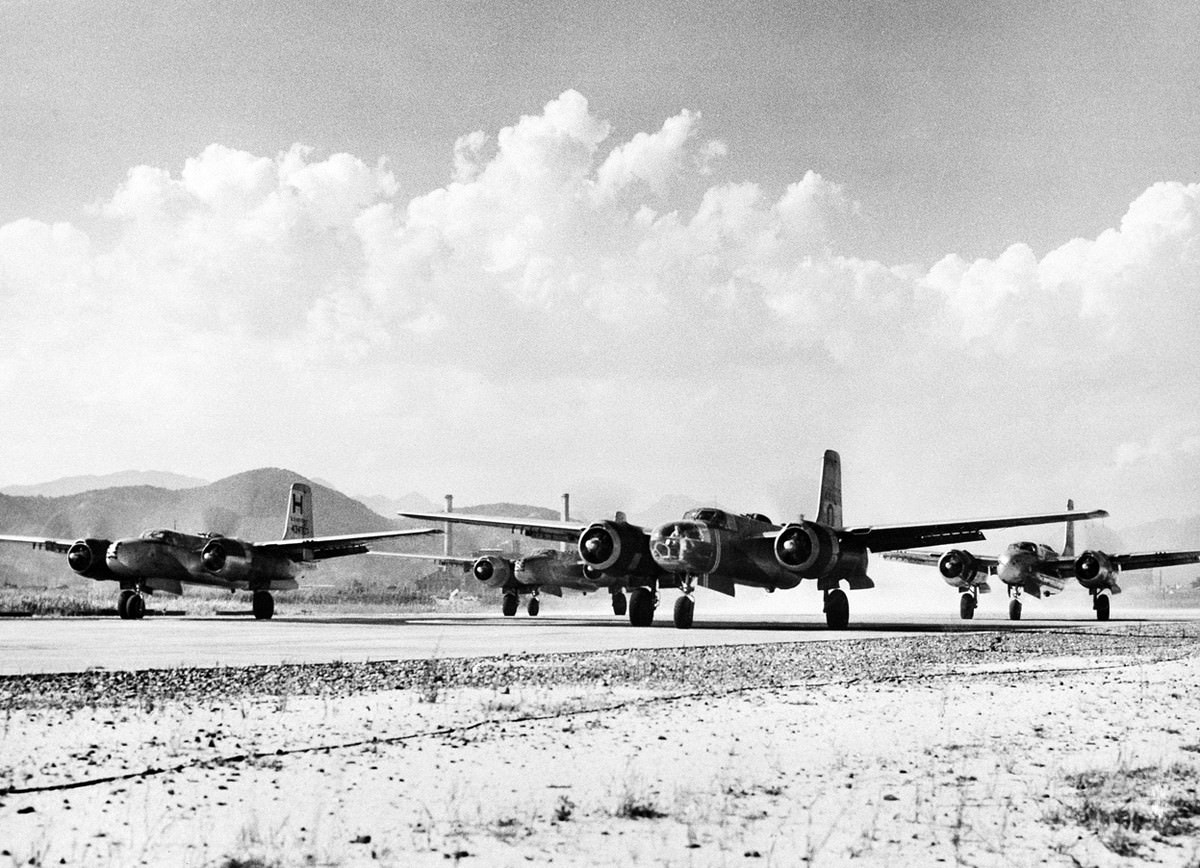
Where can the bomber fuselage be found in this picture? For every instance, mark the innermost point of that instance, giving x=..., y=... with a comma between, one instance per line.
x=177, y=557
x=713, y=543
x=1021, y=566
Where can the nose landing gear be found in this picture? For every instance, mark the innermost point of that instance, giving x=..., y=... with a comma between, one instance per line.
x=966, y=605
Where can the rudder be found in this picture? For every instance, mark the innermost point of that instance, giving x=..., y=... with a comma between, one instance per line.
x=1069, y=542
x=299, y=521
x=829, y=509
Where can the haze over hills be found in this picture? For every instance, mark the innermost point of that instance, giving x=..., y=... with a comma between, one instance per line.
x=77, y=484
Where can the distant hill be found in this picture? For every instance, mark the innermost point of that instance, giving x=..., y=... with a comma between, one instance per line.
x=126, y=478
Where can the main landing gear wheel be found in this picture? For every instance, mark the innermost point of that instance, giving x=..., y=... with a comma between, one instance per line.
x=966, y=606
x=618, y=604
x=533, y=607
x=641, y=607
x=1101, y=606
x=837, y=609
x=131, y=607
x=1014, y=610
x=509, y=606
x=263, y=605
x=685, y=608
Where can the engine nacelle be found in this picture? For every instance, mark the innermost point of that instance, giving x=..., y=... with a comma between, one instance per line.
x=227, y=558
x=1094, y=569
x=88, y=558
x=808, y=549
x=958, y=567
x=613, y=547
x=492, y=571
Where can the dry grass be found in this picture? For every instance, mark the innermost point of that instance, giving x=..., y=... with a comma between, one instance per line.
x=1125, y=805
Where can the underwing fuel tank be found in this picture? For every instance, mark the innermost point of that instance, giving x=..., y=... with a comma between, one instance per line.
x=686, y=547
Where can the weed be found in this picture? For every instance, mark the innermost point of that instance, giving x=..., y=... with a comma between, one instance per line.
x=431, y=680
x=1120, y=804
x=564, y=810
x=633, y=807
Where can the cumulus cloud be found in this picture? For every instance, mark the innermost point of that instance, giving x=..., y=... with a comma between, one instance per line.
x=561, y=293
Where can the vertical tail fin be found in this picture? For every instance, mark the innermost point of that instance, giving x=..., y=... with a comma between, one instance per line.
x=299, y=521
x=829, y=509
x=1069, y=543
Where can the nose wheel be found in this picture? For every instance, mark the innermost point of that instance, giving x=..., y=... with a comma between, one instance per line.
x=685, y=608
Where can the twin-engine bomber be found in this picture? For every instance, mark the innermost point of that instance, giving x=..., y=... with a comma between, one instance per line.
x=716, y=549
x=1039, y=571
x=165, y=560
x=546, y=571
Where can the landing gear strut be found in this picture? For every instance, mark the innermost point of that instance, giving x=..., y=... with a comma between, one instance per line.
x=641, y=606
x=263, y=605
x=966, y=605
x=837, y=609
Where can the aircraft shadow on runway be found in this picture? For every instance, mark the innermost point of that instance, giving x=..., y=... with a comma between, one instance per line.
x=916, y=625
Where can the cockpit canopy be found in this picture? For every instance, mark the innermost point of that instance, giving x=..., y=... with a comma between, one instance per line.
x=169, y=537
x=721, y=519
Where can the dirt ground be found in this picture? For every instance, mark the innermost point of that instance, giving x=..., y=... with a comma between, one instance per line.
x=963, y=757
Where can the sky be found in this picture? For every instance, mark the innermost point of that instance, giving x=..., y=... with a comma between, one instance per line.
x=631, y=251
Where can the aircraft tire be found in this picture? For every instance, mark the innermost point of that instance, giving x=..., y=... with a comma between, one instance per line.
x=135, y=607
x=533, y=607
x=966, y=606
x=641, y=607
x=1102, y=607
x=1014, y=610
x=619, y=605
x=837, y=610
x=509, y=606
x=263, y=605
x=123, y=604
x=685, y=609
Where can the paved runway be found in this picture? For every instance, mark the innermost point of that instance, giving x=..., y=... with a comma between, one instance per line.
x=76, y=644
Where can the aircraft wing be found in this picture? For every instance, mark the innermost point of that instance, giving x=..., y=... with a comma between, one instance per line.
x=40, y=542
x=931, y=559
x=538, y=528
x=884, y=538
x=1137, y=561
x=322, y=547
x=444, y=560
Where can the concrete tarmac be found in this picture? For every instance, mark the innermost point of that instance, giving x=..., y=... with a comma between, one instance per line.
x=38, y=645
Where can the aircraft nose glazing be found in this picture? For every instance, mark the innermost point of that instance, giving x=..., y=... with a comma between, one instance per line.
x=684, y=547
x=1016, y=567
